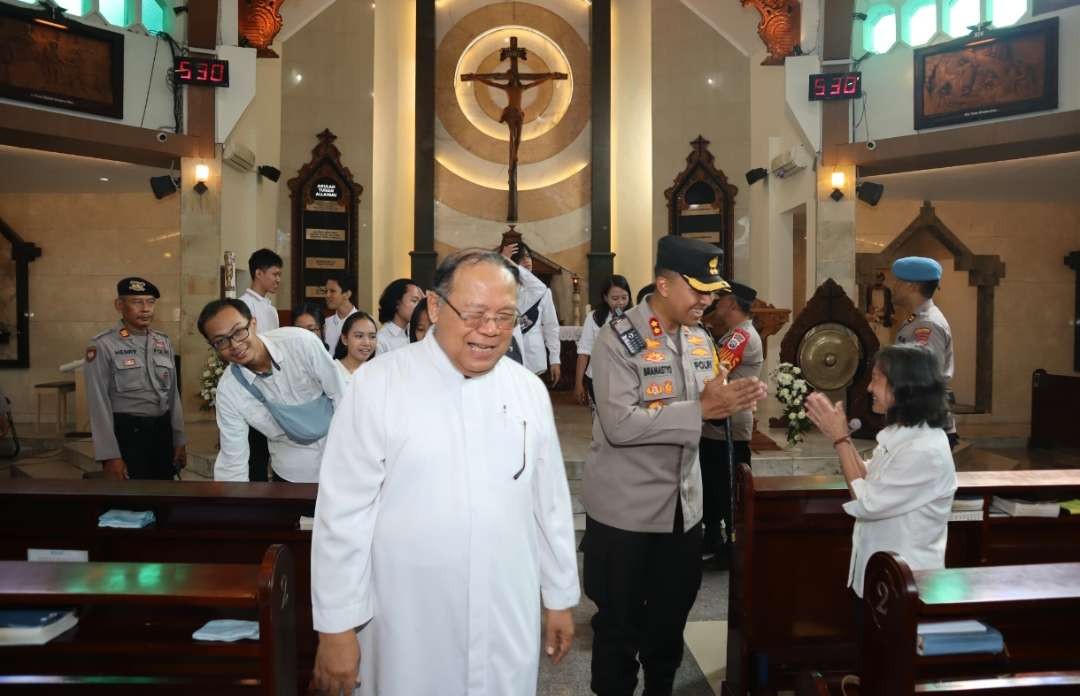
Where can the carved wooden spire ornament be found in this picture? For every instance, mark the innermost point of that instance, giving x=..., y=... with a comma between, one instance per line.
x=778, y=28
x=259, y=23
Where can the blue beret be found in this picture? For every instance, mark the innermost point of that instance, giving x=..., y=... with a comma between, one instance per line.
x=916, y=269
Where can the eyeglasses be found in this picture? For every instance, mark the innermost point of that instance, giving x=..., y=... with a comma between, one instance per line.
x=222, y=342
x=504, y=321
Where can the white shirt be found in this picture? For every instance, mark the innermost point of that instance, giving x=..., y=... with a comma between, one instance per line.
x=262, y=310
x=422, y=528
x=332, y=329
x=302, y=370
x=346, y=376
x=588, y=336
x=903, y=504
x=391, y=337
x=542, y=341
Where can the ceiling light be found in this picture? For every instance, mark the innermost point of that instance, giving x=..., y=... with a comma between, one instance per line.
x=103, y=178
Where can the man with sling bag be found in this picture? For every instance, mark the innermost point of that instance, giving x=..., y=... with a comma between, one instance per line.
x=282, y=383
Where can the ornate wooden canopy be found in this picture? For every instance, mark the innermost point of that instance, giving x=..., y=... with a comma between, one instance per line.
x=701, y=202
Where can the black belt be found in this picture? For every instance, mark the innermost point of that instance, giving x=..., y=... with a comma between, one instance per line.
x=143, y=420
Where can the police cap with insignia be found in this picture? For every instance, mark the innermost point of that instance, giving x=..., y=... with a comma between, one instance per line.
x=916, y=269
x=136, y=286
x=693, y=259
x=743, y=292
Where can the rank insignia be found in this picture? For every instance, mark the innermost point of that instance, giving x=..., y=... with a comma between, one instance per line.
x=91, y=353
x=654, y=324
x=699, y=352
x=714, y=265
x=669, y=388
x=652, y=344
x=654, y=356
x=653, y=389
x=922, y=335
x=129, y=362
x=695, y=340
x=124, y=333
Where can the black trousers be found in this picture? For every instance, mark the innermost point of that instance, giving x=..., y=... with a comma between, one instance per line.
x=258, y=456
x=146, y=445
x=715, y=480
x=644, y=585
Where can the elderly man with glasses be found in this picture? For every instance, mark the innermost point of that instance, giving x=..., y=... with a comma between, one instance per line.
x=282, y=383
x=440, y=537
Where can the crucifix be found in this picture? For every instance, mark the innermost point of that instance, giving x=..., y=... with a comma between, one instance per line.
x=514, y=83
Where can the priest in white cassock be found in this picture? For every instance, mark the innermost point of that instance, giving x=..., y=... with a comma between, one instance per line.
x=439, y=537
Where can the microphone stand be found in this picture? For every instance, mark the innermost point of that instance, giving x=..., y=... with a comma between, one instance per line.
x=729, y=450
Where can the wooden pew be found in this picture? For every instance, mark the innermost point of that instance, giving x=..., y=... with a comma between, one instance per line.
x=136, y=621
x=1020, y=684
x=1036, y=608
x=789, y=608
x=197, y=522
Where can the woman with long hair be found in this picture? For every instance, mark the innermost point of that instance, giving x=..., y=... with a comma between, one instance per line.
x=357, y=343
x=420, y=322
x=615, y=293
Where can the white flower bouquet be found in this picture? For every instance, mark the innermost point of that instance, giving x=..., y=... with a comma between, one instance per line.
x=791, y=392
x=212, y=372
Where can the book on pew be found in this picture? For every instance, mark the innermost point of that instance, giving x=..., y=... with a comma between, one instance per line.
x=307, y=523
x=958, y=638
x=1015, y=507
x=34, y=626
x=1071, y=507
x=967, y=503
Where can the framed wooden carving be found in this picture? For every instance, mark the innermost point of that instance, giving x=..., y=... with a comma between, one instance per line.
x=994, y=74
x=15, y=258
x=779, y=27
x=701, y=203
x=259, y=22
x=46, y=58
x=324, y=222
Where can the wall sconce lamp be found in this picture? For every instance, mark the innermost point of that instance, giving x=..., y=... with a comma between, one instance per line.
x=838, y=183
x=202, y=173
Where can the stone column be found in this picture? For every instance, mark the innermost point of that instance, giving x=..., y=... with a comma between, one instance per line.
x=835, y=245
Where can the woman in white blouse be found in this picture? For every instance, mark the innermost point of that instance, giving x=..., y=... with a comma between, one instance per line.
x=616, y=295
x=357, y=343
x=902, y=497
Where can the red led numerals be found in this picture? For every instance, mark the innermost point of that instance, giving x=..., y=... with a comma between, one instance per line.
x=819, y=86
x=217, y=72
x=183, y=70
x=851, y=85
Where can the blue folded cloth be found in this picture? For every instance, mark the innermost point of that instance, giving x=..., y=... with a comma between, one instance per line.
x=964, y=641
x=228, y=630
x=126, y=519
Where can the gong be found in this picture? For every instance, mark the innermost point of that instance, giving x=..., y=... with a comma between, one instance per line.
x=829, y=355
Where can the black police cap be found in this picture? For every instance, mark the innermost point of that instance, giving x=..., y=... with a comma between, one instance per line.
x=136, y=286
x=695, y=260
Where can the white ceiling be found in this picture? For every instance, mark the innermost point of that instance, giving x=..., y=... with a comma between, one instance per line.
x=36, y=171
x=1049, y=178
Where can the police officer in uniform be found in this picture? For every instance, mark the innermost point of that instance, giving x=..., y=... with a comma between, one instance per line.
x=656, y=379
x=915, y=280
x=739, y=352
x=135, y=413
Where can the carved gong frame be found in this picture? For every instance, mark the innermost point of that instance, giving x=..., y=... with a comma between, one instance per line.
x=984, y=271
x=701, y=203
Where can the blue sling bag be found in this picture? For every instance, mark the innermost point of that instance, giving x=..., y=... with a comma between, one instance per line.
x=302, y=423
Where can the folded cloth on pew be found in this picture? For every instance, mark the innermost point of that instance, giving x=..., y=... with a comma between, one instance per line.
x=34, y=626
x=126, y=519
x=228, y=630
x=958, y=638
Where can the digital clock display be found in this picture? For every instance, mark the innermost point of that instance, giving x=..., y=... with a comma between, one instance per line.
x=201, y=71
x=827, y=86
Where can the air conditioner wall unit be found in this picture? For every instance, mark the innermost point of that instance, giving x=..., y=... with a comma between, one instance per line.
x=239, y=157
x=790, y=162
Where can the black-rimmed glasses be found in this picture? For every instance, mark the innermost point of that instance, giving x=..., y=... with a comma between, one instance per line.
x=222, y=342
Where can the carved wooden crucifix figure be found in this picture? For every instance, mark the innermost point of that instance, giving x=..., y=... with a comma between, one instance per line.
x=514, y=83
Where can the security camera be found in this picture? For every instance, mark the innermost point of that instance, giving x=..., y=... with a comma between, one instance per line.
x=871, y=144
x=162, y=136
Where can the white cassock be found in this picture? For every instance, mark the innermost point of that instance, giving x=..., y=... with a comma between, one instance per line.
x=422, y=528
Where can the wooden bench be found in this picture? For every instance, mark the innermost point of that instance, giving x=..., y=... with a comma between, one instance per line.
x=1035, y=607
x=136, y=621
x=197, y=522
x=1021, y=684
x=789, y=608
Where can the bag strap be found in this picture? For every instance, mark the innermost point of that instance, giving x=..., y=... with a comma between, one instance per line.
x=239, y=375
x=529, y=318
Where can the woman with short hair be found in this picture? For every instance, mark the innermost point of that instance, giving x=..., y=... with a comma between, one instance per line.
x=902, y=497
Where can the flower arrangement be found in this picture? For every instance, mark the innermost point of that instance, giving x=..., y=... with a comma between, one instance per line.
x=212, y=372
x=791, y=392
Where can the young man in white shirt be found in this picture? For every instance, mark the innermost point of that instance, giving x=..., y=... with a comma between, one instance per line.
x=540, y=344
x=287, y=367
x=396, y=305
x=339, y=294
x=265, y=268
